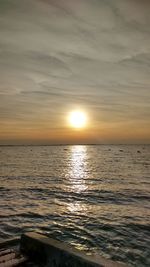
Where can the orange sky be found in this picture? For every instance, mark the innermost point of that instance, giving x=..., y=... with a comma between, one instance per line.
x=56, y=58
x=104, y=133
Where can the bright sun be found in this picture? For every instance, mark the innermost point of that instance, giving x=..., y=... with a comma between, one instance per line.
x=77, y=119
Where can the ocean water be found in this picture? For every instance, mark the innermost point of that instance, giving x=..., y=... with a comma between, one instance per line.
x=95, y=198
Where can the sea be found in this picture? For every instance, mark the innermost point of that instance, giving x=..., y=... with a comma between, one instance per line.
x=94, y=197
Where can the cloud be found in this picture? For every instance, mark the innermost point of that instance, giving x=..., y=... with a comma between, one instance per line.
x=57, y=55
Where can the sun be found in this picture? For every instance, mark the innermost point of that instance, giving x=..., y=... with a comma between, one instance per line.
x=77, y=119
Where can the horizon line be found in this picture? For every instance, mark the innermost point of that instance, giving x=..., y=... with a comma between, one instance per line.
x=84, y=144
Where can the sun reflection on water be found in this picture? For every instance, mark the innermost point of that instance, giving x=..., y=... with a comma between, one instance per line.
x=78, y=161
x=77, y=175
x=77, y=208
x=78, y=168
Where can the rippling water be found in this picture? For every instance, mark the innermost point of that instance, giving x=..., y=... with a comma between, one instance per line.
x=93, y=197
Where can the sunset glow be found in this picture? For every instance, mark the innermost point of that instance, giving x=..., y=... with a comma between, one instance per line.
x=76, y=78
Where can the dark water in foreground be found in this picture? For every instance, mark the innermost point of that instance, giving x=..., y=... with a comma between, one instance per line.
x=93, y=197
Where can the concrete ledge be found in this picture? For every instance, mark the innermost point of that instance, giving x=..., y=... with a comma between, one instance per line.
x=52, y=253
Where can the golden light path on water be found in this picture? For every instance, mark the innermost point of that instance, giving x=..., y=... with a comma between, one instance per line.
x=77, y=174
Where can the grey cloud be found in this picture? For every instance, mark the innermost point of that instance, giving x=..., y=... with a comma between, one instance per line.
x=58, y=54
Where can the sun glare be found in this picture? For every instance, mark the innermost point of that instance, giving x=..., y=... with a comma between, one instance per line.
x=77, y=119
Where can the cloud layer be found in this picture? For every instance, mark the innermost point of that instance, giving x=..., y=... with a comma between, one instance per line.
x=57, y=55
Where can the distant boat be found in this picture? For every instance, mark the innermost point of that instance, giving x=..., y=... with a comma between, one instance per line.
x=37, y=250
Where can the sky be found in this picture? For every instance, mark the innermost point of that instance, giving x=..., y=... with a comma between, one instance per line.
x=57, y=56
